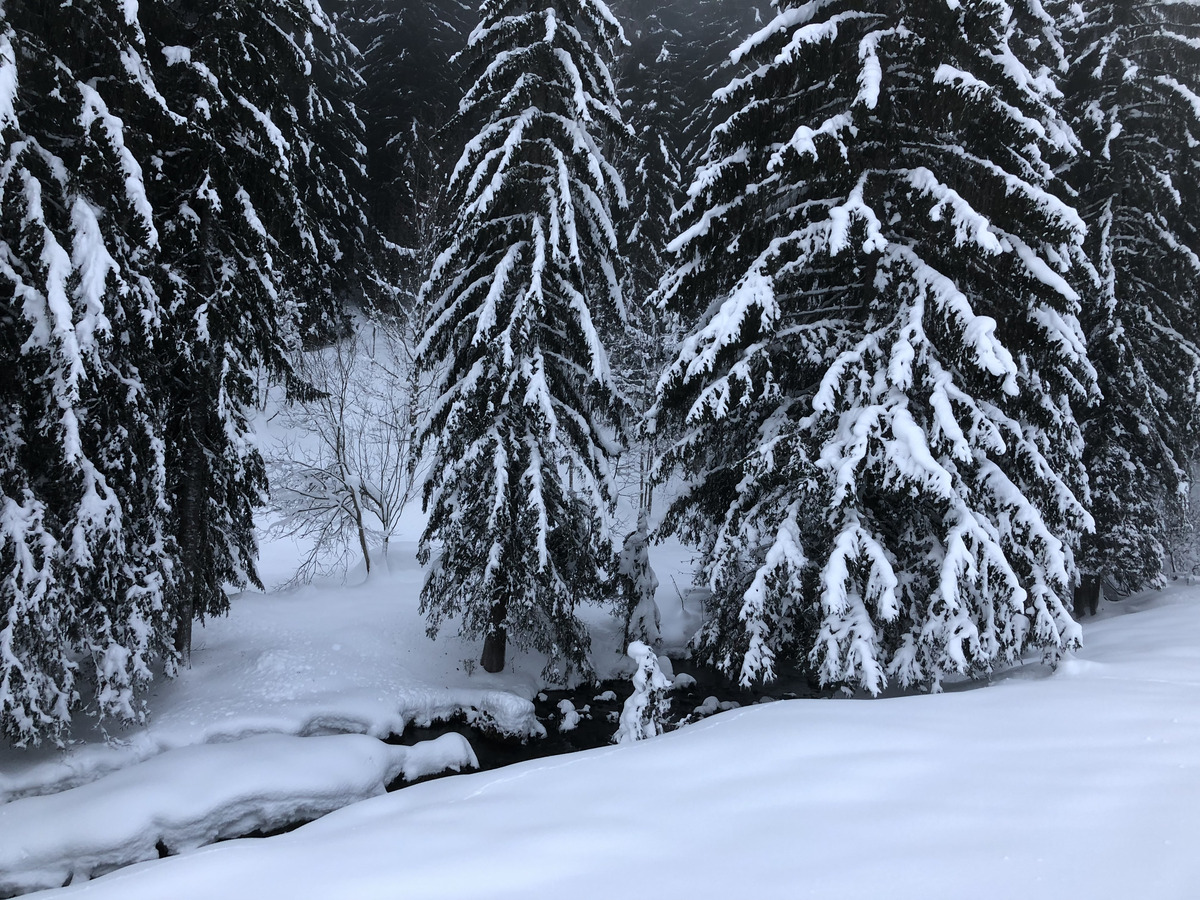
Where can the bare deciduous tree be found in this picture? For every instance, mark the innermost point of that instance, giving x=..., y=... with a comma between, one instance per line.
x=347, y=469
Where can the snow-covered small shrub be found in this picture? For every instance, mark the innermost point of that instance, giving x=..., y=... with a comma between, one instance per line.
x=636, y=585
x=647, y=706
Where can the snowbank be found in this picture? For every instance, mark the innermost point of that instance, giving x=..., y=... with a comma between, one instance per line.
x=186, y=798
x=310, y=662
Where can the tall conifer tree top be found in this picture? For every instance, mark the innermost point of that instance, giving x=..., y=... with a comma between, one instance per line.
x=524, y=426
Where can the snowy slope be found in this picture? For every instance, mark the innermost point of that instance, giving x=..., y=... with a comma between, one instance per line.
x=1081, y=783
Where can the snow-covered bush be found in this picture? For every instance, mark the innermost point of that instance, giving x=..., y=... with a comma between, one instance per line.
x=646, y=708
x=636, y=585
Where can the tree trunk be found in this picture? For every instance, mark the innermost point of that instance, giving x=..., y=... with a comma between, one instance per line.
x=343, y=454
x=1087, y=595
x=362, y=535
x=191, y=537
x=496, y=640
x=183, y=629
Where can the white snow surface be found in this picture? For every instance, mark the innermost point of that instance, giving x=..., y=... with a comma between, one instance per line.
x=193, y=796
x=319, y=660
x=1084, y=782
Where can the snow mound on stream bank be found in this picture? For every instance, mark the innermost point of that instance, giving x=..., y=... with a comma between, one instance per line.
x=186, y=798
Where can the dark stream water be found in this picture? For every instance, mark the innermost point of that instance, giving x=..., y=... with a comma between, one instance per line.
x=599, y=708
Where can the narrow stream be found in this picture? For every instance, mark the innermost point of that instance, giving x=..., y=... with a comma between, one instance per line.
x=599, y=709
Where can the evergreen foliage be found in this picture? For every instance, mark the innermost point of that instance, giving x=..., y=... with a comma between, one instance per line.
x=940, y=259
x=85, y=565
x=654, y=189
x=1134, y=101
x=678, y=48
x=264, y=237
x=876, y=413
x=643, y=346
x=649, y=335
x=526, y=418
x=409, y=94
x=179, y=210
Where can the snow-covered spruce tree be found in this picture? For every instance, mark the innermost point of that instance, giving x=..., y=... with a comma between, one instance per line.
x=875, y=415
x=524, y=425
x=652, y=171
x=643, y=713
x=654, y=182
x=263, y=236
x=642, y=348
x=1134, y=101
x=85, y=551
x=172, y=220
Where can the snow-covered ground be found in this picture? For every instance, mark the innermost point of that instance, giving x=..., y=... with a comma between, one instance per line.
x=1084, y=782
x=278, y=721
x=186, y=798
x=312, y=661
